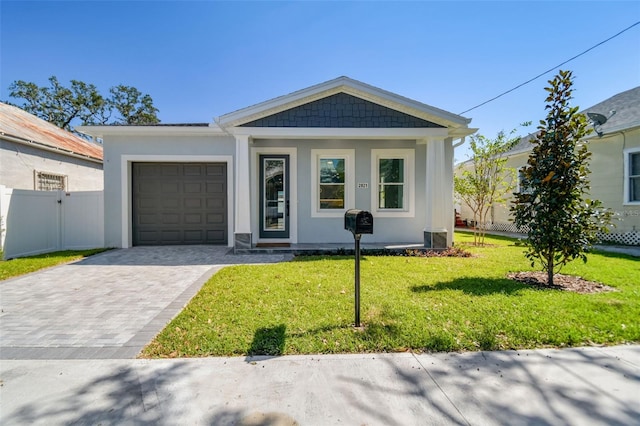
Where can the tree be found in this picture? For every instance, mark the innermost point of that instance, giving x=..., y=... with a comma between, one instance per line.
x=562, y=222
x=82, y=103
x=133, y=106
x=487, y=180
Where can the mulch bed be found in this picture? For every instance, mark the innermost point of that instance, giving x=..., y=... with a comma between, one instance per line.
x=560, y=282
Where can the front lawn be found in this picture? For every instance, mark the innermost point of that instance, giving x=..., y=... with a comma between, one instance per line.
x=25, y=265
x=407, y=303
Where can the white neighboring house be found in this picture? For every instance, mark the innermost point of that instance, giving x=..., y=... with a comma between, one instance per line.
x=285, y=171
x=615, y=166
x=38, y=155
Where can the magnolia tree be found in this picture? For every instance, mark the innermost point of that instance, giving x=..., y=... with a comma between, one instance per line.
x=563, y=223
x=485, y=180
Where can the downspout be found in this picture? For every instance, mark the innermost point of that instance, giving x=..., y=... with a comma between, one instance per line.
x=462, y=141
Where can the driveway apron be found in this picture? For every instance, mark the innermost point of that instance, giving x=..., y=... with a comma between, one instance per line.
x=105, y=306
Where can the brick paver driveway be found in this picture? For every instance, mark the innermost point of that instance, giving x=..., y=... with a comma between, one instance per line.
x=108, y=305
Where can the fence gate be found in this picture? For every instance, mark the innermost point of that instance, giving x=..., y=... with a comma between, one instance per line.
x=36, y=222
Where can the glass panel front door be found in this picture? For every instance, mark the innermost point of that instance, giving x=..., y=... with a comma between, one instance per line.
x=274, y=196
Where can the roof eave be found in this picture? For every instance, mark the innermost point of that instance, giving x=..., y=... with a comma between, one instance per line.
x=47, y=147
x=102, y=131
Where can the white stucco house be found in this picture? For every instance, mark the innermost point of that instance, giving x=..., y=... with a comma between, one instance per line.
x=285, y=171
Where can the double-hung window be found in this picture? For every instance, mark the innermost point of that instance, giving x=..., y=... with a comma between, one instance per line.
x=523, y=184
x=391, y=183
x=332, y=181
x=392, y=175
x=632, y=176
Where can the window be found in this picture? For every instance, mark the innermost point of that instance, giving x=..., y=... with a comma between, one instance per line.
x=393, y=188
x=632, y=182
x=332, y=189
x=50, y=182
x=391, y=183
x=523, y=185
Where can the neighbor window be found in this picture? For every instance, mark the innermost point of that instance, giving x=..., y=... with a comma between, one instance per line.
x=392, y=177
x=50, y=182
x=633, y=177
x=332, y=181
x=523, y=185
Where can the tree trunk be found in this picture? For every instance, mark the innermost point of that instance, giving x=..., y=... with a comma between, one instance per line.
x=550, y=268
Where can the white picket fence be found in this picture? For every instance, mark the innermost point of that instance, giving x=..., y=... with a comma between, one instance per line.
x=35, y=222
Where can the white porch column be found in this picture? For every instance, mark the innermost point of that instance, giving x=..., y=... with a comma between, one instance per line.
x=242, y=231
x=438, y=199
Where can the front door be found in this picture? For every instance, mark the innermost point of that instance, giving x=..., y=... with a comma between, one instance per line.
x=274, y=196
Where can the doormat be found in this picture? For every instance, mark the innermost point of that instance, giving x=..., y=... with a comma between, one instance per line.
x=265, y=245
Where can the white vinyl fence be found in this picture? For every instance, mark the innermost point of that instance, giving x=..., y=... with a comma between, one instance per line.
x=36, y=222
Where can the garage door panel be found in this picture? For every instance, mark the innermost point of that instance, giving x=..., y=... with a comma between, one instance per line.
x=193, y=219
x=170, y=203
x=215, y=219
x=216, y=170
x=194, y=236
x=215, y=203
x=215, y=235
x=170, y=170
x=193, y=188
x=148, y=187
x=147, y=170
x=171, y=237
x=147, y=203
x=147, y=219
x=170, y=219
x=193, y=170
x=179, y=203
x=170, y=188
x=193, y=203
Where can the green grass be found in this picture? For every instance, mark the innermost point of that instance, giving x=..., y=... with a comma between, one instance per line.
x=407, y=303
x=25, y=265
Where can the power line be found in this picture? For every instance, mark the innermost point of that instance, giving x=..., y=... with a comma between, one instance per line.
x=550, y=69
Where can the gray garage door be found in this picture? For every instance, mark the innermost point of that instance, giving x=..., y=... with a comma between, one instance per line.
x=179, y=203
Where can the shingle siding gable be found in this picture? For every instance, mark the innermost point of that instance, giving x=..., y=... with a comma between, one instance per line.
x=342, y=111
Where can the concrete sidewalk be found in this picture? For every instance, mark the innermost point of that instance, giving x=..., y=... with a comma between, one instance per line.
x=547, y=387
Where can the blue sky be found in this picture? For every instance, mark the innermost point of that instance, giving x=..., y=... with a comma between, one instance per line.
x=203, y=59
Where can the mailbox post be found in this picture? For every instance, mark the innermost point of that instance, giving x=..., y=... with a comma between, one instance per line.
x=358, y=222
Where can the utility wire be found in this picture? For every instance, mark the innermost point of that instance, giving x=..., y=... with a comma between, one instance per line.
x=550, y=69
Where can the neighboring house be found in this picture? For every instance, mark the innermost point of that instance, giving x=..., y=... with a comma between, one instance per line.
x=285, y=171
x=614, y=164
x=38, y=155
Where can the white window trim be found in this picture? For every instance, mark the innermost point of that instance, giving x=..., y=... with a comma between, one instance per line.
x=349, y=180
x=627, y=175
x=408, y=155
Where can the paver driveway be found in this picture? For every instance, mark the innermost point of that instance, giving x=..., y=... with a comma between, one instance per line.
x=108, y=305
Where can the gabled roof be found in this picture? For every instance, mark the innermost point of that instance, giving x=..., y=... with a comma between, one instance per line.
x=627, y=115
x=348, y=86
x=26, y=128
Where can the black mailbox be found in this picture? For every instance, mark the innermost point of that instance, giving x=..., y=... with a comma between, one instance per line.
x=358, y=221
